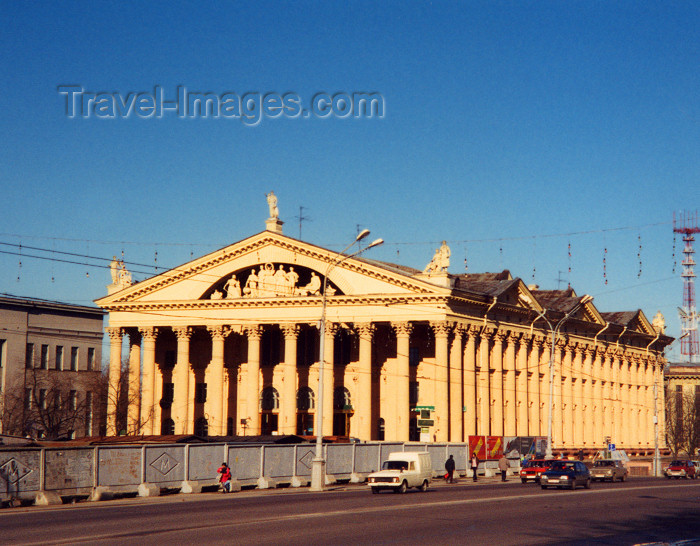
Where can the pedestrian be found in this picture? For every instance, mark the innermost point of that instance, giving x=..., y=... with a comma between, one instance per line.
x=225, y=478
x=474, y=465
x=503, y=467
x=450, y=467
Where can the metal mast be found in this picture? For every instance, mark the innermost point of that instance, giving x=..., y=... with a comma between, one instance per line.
x=687, y=224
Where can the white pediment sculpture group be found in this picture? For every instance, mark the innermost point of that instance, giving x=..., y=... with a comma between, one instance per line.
x=269, y=283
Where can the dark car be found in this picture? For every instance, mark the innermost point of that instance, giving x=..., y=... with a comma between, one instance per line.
x=567, y=474
x=533, y=469
x=681, y=469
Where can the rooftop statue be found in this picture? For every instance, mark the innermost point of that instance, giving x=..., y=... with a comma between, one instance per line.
x=659, y=323
x=272, y=203
x=441, y=260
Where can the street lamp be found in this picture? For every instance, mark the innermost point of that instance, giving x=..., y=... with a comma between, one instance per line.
x=318, y=475
x=555, y=331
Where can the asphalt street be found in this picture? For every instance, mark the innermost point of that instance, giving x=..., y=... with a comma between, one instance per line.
x=642, y=510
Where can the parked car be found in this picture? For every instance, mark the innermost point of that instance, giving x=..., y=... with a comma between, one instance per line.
x=401, y=471
x=681, y=469
x=533, y=469
x=567, y=474
x=607, y=469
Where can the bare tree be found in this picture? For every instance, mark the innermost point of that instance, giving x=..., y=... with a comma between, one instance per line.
x=124, y=399
x=682, y=422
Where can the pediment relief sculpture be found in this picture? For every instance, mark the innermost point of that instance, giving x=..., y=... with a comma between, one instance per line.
x=269, y=281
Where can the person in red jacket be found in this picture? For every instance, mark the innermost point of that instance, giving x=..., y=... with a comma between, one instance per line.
x=225, y=478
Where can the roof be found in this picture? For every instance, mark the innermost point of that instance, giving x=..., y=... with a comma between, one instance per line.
x=20, y=301
x=623, y=318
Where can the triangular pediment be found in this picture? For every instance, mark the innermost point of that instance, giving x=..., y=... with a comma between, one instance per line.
x=270, y=266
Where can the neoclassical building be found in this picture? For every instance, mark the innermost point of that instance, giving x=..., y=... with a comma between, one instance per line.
x=229, y=344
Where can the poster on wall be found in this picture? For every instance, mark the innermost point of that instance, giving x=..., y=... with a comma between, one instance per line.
x=477, y=444
x=524, y=446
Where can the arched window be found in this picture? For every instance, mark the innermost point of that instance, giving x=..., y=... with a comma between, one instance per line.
x=269, y=399
x=380, y=429
x=167, y=427
x=305, y=399
x=341, y=399
x=201, y=427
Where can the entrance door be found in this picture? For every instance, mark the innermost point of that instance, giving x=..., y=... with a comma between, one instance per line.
x=268, y=423
x=341, y=424
x=305, y=424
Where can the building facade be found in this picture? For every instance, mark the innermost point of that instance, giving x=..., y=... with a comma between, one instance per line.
x=229, y=344
x=50, y=364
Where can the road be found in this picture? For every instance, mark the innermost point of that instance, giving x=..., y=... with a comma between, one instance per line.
x=640, y=510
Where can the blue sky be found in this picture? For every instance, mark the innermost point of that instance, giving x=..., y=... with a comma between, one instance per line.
x=531, y=136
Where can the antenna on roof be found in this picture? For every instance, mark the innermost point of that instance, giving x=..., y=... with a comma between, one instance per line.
x=559, y=280
x=301, y=218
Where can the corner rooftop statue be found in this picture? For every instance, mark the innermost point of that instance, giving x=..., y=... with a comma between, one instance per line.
x=273, y=223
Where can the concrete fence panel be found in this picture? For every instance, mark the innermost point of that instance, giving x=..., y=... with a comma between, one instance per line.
x=118, y=466
x=438, y=456
x=244, y=462
x=305, y=455
x=204, y=460
x=69, y=469
x=278, y=462
x=387, y=448
x=20, y=472
x=460, y=452
x=164, y=464
x=366, y=458
x=339, y=460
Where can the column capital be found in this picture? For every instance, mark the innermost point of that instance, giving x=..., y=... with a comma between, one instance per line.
x=219, y=332
x=114, y=333
x=332, y=328
x=441, y=328
x=365, y=329
x=148, y=334
x=290, y=330
x=183, y=332
x=254, y=331
x=499, y=336
x=402, y=329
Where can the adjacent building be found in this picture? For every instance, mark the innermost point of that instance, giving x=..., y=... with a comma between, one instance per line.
x=50, y=368
x=229, y=343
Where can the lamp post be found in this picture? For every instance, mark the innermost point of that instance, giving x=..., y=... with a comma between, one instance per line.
x=318, y=475
x=555, y=332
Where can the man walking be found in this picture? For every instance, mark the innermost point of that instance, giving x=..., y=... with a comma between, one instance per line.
x=450, y=467
x=503, y=467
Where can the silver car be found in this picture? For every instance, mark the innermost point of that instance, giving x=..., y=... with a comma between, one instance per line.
x=609, y=470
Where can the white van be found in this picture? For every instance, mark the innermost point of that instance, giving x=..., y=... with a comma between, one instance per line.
x=401, y=471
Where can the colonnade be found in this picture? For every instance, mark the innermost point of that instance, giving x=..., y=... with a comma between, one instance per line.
x=480, y=380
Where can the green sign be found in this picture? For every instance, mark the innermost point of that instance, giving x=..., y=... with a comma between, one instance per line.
x=418, y=408
x=425, y=422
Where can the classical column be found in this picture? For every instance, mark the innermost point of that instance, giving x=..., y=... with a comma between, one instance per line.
x=577, y=381
x=510, y=395
x=181, y=378
x=597, y=431
x=115, y=365
x=150, y=403
x=616, y=414
x=401, y=381
x=521, y=387
x=288, y=403
x=252, y=390
x=441, y=331
x=496, y=384
x=608, y=395
x=563, y=403
x=455, y=382
x=484, y=412
x=588, y=404
x=329, y=377
x=133, y=421
x=215, y=378
x=362, y=402
x=469, y=379
x=546, y=349
x=534, y=384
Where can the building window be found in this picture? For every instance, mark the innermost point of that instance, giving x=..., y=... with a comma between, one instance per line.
x=229, y=427
x=168, y=394
x=27, y=399
x=44, y=364
x=413, y=393
x=59, y=357
x=200, y=393
x=3, y=345
x=341, y=399
x=167, y=427
x=74, y=359
x=29, y=356
x=413, y=356
x=269, y=399
x=42, y=399
x=305, y=399
x=73, y=400
x=201, y=427
x=91, y=358
x=380, y=429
